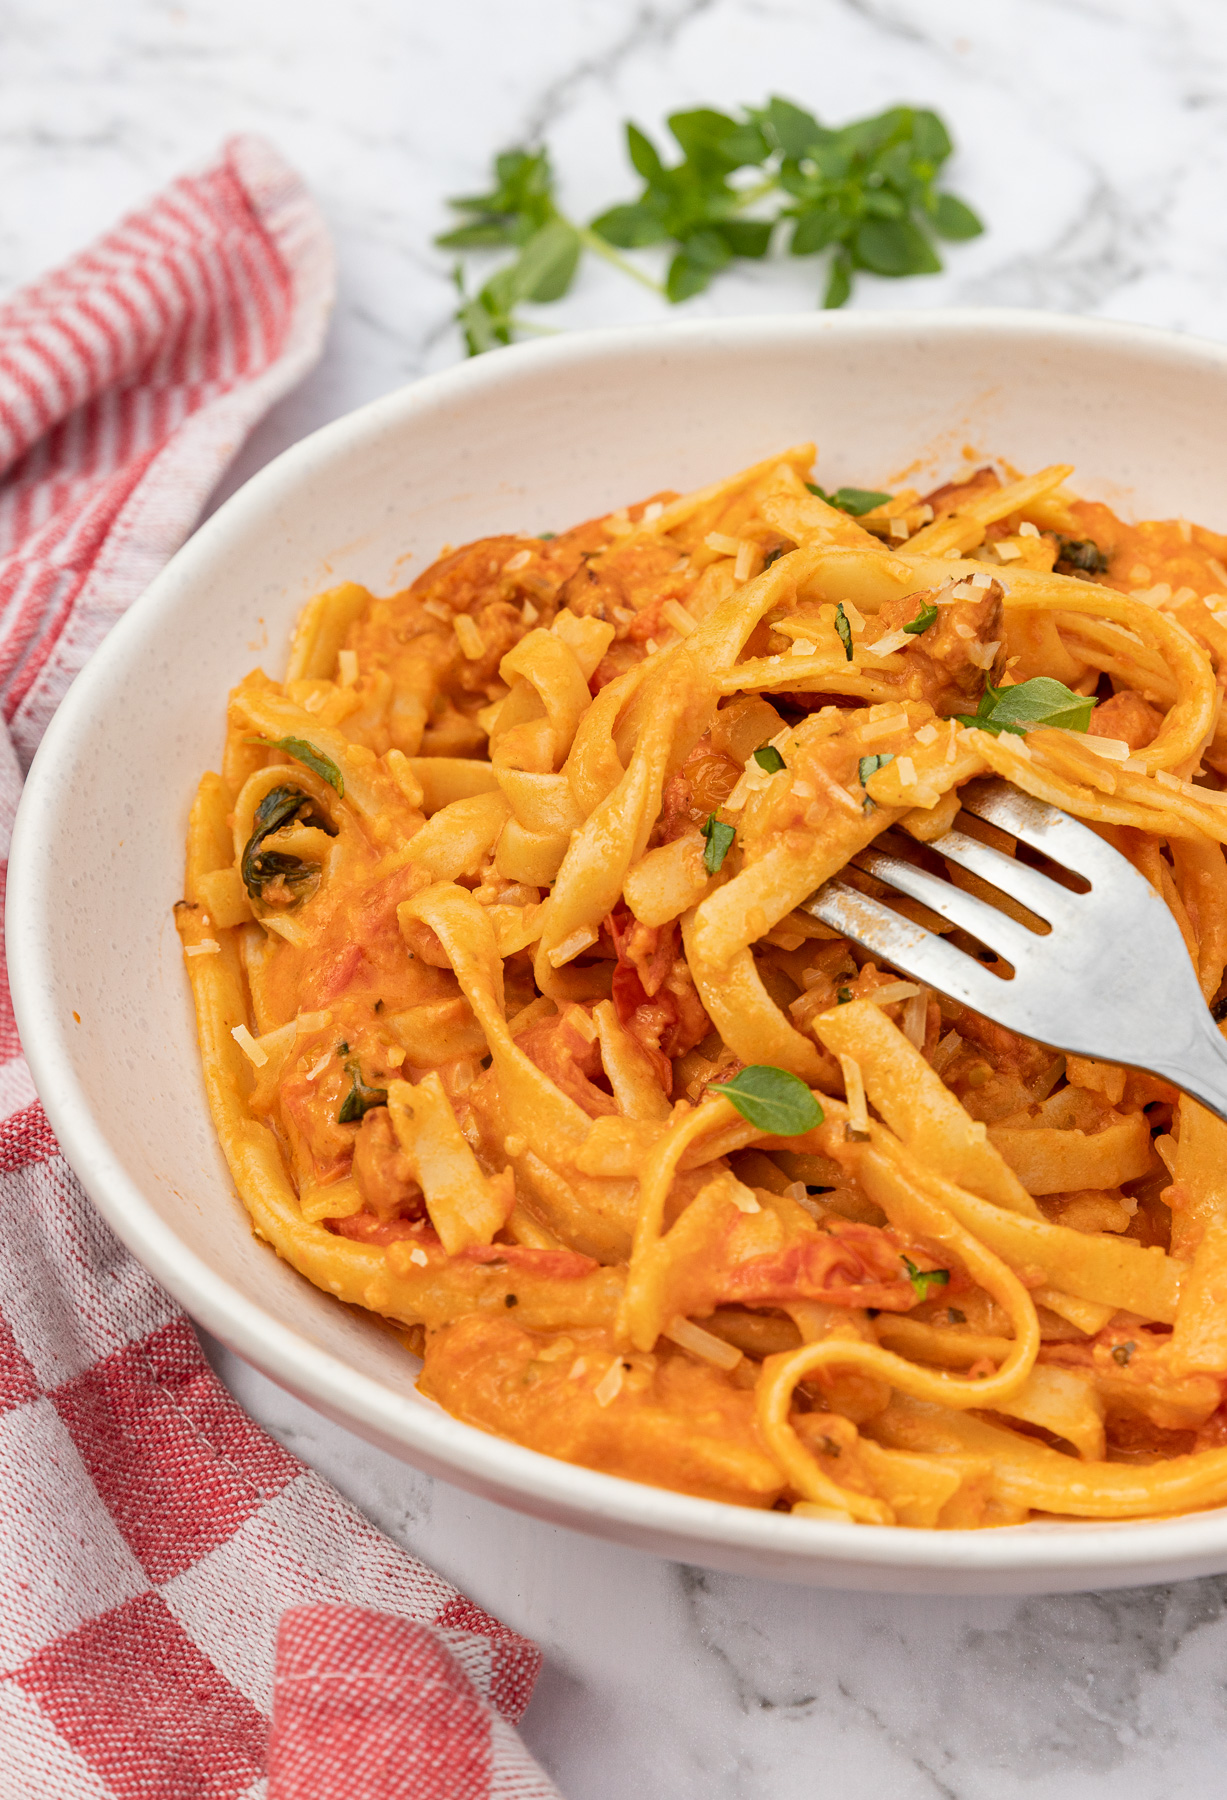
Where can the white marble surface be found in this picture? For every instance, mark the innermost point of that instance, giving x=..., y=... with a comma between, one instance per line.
x=1093, y=137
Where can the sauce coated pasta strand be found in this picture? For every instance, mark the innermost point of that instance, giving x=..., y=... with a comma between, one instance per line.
x=514, y=1034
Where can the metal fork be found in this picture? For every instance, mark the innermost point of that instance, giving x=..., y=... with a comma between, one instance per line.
x=1112, y=979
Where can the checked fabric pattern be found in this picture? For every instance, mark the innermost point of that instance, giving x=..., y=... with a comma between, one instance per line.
x=187, y=1612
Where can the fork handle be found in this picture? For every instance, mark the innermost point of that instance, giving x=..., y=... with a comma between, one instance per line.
x=1200, y=1069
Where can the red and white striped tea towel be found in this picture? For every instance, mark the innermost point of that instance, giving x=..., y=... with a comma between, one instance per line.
x=153, y=1541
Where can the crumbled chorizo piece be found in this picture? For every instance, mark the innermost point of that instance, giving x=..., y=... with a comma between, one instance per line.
x=1128, y=717
x=698, y=789
x=382, y=1170
x=571, y=1058
x=953, y=494
x=945, y=665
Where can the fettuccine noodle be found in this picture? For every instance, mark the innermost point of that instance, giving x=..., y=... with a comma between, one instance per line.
x=498, y=890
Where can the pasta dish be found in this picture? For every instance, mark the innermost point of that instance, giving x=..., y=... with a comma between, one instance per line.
x=515, y=1035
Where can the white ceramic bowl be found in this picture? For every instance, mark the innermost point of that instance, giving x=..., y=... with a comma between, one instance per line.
x=534, y=439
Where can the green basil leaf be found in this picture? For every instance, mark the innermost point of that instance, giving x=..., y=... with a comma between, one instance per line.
x=791, y=127
x=856, y=501
x=309, y=757
x=869, y=765
x=547, y=264
x=360, y=1099
x=924, y=618
x=930, y=138
x=839, y=283
x=815, y=229
x=644, y=158
x=771, y=1100
x=1040, y=701
x=259, y=867
x=719, y=841
x=955, y=220
x=702, y=255
x=895, y=247
x=768, y=757
x=631, y=227
x=1082, y=554
x=924, y=1279
x=843, y=996
x=747, y=237
x=844, y=630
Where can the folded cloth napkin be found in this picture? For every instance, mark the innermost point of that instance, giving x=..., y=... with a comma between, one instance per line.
x=153, y=1541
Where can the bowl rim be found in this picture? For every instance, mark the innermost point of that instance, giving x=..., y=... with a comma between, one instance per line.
x=1079, y=1554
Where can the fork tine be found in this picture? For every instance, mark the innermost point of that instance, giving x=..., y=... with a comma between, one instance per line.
x=968, y=911
x=907, y=946
x=1028, y=886
x=1068, y=842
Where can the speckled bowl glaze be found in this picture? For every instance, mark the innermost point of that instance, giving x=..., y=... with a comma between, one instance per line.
x=528, y=439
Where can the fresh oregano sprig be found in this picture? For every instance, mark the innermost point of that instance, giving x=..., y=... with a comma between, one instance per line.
x=864, y=195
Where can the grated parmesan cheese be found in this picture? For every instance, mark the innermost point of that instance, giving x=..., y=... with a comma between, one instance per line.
x=927, y=735
x=897, y=528
x=419, y=1256
x=652, y=511
x=530, y=615
x=892, y=992
x=472, y=644
x=609, y=1386
x=887, y=645
x=678, y=617
x=1114, y=749
x=1027, y=529
x=907, y=770
x=1007, y=552
x=689, y=1336
x=248, y=1045
x=520, y=560
x=802, y=647
x=854, y=617
x=854, y=1088
x=206, y=947
x=318, y=1068
x=743, y=1198
x=747, y=559
x=347, y=667
x=1216, y=569
x=722, y=544
x=571, y=946
x=981, y=580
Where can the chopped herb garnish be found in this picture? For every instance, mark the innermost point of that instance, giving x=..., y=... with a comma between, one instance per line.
x=1082, y=554
x=864, y=196
x=511, y=1299
x=768, y=757
x=719, y=841
x=1123, y=1353
x=544, y=537
x=261, y=868
x=856, y=501
x=379, y=1006
x=869, y=765
x=844, y=630
x=924, y=618
x=955, y=1317
x=360, y=1099
x=1040, y=701
x=843, y=997
x=309, y=756
x=774, y=556
x=771, y=1100
x=828, y=1446
x=924, y=1279
x=342, y=1049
